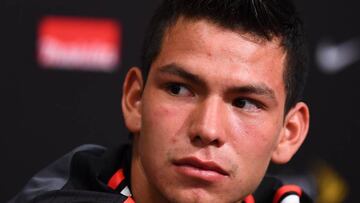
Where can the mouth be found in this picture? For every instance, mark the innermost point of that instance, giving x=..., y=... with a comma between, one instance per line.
x=204, y=170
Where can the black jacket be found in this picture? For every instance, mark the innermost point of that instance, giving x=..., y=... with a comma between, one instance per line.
x=93, y=174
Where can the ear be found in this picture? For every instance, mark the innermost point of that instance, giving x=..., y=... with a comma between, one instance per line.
x=293, y=133
x=131, y=99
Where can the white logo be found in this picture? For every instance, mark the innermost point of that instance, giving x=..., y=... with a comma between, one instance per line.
x=335, y=57
x=291, y=199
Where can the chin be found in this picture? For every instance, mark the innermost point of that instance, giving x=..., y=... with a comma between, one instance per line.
x=198, y=195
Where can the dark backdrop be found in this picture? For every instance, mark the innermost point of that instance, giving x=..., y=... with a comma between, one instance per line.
x=45, y=113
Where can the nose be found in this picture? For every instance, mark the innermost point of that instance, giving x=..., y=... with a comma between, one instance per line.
x=207, y=123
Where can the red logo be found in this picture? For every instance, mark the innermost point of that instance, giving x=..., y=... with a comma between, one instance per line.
x=78, y=43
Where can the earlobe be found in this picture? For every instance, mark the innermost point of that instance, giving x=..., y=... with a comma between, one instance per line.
x=293, y=134
x=131, y=99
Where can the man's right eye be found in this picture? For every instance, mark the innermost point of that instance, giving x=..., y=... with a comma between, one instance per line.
x=177, y=89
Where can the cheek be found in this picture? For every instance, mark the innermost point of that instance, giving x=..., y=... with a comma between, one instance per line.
x=160, y=134
x=255, y=137
x=162, y=121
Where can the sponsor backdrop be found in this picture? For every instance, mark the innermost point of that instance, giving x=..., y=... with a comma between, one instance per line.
x=63, y=64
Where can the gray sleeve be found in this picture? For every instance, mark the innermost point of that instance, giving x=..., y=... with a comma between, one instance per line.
x=53, y=177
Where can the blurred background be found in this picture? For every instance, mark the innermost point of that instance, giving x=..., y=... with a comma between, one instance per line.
x=62, y=66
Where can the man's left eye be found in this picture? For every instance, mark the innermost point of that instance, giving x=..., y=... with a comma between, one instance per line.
x=178, y=90
x=246, y=104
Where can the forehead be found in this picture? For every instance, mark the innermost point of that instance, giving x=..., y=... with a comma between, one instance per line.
x=204, y=35
x=202, y=26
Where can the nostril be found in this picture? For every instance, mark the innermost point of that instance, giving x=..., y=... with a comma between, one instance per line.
x=197, y=140
x=215, y=143
x=200, y=141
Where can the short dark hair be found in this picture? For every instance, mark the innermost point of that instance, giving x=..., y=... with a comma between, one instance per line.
x=263, y=18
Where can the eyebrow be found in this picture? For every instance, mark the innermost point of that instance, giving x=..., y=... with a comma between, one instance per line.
x=257, y=89
x=260, y=89
x=174, y=69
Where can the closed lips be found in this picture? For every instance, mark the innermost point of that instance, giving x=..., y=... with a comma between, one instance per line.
x=201, y=165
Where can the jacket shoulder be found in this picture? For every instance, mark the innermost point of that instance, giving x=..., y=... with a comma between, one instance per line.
x=55, y=176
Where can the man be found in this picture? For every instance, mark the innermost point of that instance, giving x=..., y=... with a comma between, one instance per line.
x=217, y=100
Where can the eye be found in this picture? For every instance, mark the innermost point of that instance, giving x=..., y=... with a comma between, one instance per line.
x=177, y=89
x=246, y=104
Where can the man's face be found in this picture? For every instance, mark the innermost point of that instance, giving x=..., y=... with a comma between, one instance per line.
x=211, y=113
